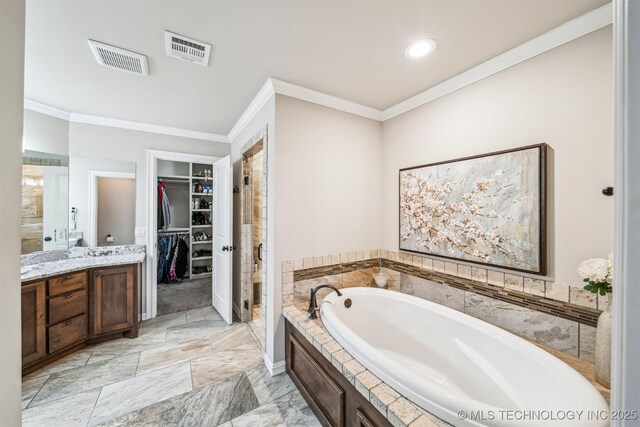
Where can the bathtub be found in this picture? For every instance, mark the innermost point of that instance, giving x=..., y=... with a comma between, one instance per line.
x=459, y=368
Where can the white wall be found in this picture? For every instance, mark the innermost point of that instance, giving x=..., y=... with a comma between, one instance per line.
x=563, y=97
x=11, y=115
x=45, y=133
x=123, y=144
x=328, y=181
x=80, y=169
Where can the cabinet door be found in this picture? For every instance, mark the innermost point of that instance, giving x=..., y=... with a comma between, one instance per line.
x=112, y=300
x=33, y=323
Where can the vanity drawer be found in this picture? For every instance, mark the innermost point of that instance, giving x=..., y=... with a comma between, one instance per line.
x=67, y=283
x=67, y=333
x=65, y=307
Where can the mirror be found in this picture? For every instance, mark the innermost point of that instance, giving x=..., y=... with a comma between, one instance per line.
x=102, y=199
x=76, y=201
x=45, y=201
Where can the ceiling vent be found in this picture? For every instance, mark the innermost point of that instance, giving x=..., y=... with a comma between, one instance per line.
x=121, y=59
x=188, y=49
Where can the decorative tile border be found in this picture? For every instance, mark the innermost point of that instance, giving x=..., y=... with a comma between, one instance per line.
x=316, y=272
x=565, y=301
x=584, y=315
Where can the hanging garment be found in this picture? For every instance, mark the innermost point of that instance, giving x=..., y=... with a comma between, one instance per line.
x=182, y=261
x=164, y=213
x=174, y=260
x=164, y=247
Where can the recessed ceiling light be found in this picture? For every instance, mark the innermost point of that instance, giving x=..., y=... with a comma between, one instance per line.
x=420, y=49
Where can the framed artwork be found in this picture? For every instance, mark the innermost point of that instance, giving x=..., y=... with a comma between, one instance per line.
x=488, y=209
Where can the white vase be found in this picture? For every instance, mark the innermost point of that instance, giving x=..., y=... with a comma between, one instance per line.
x=603, y=346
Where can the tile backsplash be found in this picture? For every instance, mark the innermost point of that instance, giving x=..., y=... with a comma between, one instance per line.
x=559, y=315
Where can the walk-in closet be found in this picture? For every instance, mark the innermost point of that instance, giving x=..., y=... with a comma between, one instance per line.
x=184, y=236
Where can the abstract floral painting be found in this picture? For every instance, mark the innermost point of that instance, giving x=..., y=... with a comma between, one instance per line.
x=487, y=209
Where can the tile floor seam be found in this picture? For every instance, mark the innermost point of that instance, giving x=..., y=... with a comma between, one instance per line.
x=34, y=396
x=94, y=406
x=80, y=392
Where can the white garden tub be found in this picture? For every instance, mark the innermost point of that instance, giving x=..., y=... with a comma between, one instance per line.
x=459, y=368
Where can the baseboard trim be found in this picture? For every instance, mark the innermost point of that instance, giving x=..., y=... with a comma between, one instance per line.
x=275, y=368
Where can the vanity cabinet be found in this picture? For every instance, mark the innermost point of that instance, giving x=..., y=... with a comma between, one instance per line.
x=112, y=300
x=34, y=323
x=333, y=399
x=64, y=313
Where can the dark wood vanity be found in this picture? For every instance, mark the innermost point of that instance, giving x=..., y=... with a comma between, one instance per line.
x=333, y=399
x=63, y=313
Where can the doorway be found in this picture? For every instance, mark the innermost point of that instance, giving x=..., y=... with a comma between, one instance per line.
x=113, y=206
x=254, y=235
x=190, y=222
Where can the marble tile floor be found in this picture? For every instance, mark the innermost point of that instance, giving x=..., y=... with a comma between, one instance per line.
x=185, y=369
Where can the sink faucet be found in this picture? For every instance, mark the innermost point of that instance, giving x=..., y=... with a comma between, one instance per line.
x=313, y=302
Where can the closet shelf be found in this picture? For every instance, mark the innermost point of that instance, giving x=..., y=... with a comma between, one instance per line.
x=201, y=210
x=202, y=178
x=202, y=194
x=198, y=258
x=201, y=242
x=196, y=276
x=174, y=230
x=201, y=226
x=173, y=178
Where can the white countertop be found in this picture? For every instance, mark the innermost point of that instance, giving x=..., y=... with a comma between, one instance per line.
x=45, y=264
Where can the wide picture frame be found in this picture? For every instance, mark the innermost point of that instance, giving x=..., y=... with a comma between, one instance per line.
x=488, y=209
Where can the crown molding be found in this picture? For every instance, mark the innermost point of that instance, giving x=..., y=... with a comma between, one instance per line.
x=46, y=109
x=146, y=127
x=264, y=94
x=571, y=30
x=320, y=98
x=120, y=124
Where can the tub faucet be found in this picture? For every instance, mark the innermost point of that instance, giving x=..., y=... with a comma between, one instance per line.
x=313, y=301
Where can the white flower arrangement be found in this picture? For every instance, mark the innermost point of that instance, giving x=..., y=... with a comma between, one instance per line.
x=598, y=274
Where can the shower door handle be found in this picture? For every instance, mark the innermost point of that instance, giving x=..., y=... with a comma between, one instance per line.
x=260, y=251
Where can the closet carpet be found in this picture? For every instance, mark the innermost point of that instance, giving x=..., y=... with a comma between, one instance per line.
x=184, y=296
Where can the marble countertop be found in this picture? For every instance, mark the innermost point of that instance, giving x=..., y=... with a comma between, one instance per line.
x=39, y=265
x=398, y=409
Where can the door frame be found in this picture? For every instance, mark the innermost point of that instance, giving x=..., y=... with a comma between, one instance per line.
x=261, y=137
x=150, y=294
x=625, y=377
x=93, y=199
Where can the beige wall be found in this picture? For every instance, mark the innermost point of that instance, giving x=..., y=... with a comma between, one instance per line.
x=327, y=186
x=564, y=98
x=116, y=210
x=265, y=118
x=11, y=115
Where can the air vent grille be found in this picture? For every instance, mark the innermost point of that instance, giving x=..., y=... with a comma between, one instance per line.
x=121, y=59
x=187, y=49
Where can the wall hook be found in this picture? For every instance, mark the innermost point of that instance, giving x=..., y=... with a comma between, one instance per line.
x=236, y=190
x=607, y=191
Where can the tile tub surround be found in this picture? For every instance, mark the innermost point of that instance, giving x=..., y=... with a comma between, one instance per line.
x=43, y=264
x=571, y=302
x=556, y=315
x=397, y=409
x=184, y=369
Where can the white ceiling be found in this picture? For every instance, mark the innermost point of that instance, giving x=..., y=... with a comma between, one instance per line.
x=350, y=49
